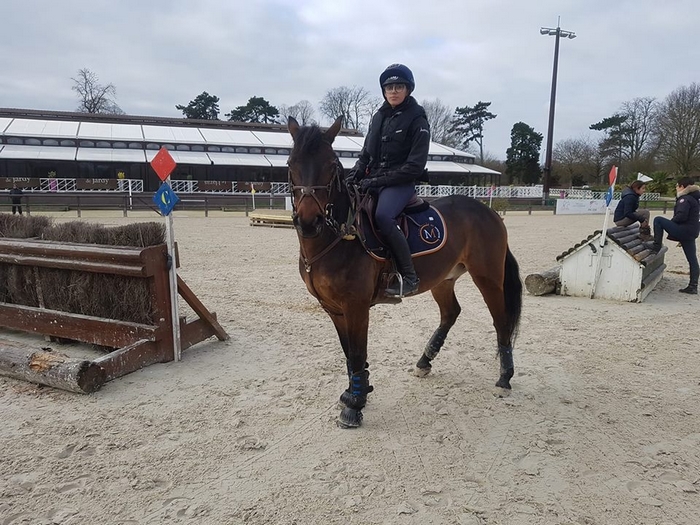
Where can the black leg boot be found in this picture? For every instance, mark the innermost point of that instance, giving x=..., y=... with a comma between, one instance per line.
x=404, y=264
x=692, y=288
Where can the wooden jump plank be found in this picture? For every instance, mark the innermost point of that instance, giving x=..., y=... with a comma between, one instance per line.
x=84, y=328
x=130, y=358
x=75, y=264
x=99, y=252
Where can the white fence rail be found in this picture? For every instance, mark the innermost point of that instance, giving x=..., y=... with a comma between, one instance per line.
x=282, y=188
x=595, y=195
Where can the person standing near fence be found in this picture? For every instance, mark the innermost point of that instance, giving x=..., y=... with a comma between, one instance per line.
x=16, y=198
x=683, y=227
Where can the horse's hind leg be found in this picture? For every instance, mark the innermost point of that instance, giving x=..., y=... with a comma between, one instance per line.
x=444, y=295
x=492, y=292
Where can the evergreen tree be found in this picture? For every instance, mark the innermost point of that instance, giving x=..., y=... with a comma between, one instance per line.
x=523, y=156
x=468, y=124
x=256, y=110
x=203, y=107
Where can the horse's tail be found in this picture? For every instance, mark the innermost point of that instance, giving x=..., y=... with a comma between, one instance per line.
x=512, y=294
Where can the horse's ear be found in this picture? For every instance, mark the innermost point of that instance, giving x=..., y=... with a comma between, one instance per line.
x=334, y=129
x=292, y=126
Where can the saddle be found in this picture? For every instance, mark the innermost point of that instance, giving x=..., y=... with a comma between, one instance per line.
x=422, y=224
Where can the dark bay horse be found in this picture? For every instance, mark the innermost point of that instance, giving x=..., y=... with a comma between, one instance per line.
x=346, y=280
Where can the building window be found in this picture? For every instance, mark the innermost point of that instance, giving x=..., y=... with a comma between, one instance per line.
x=104, y=144
x=197, y=148
x=255, y=150
x=283, y=152
x=183, y=147
x=50, y=142
x=119, y=145
x=152, y=146
x=240, y=150
x=135, y=145
x=68, y=143
x=33, y=142
x=14, y=140
x=229, y=149
x=213, y=148
x=87, y=144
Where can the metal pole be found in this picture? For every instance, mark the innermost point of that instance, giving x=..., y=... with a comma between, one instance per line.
x=550, y=127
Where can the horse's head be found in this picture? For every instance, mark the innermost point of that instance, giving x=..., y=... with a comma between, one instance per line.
x=314, y=172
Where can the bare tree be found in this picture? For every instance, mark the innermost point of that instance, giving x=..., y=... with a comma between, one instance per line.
x=678, y=128
x=354, y=104
x=577, y=162
x=641, y=115
x=440, y=120
x=303, y=112
x=94, y=97
x=494, y=163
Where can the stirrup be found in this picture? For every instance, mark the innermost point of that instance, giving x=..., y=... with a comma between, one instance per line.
x=404, y=289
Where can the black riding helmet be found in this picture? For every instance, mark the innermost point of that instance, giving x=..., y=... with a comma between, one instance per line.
x=397, y=74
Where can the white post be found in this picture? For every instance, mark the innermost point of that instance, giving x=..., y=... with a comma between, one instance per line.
x=172, y=275
x=599, y=256
x=252, y=192
x=603, y=236
x=491, y=196
x=130, y=201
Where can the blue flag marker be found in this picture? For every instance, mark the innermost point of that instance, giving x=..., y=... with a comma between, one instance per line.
x=165, y=198
x=609, y=196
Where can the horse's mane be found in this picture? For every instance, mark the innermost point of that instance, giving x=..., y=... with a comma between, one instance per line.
x=307, y=141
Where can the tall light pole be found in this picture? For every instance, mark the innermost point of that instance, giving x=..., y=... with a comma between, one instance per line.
x=557, y=33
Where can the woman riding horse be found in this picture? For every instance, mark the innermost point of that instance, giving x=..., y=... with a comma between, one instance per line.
x=391, y=162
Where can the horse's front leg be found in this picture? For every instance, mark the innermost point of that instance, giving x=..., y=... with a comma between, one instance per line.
x=341, y=327
x=352, y=328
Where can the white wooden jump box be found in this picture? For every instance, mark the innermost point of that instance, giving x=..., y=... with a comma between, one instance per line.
x=622, y=270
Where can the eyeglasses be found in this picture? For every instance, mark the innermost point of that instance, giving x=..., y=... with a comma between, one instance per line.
x=395, y=87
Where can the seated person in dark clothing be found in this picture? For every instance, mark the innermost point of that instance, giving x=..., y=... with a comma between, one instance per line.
x=628, y=212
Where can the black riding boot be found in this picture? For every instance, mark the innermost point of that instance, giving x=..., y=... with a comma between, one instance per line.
x=692, y=288
x=404, y=264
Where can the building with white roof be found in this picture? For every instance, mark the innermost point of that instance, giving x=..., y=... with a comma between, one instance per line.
x=39, y=144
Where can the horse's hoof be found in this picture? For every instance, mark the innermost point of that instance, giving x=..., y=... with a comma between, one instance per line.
x=350, y=418
x=421, y=372
x=504, y=383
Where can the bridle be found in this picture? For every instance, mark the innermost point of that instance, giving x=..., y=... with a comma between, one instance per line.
x=327, y=211
x=310, y=191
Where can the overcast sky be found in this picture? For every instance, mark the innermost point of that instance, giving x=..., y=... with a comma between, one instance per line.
x=162, y=53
